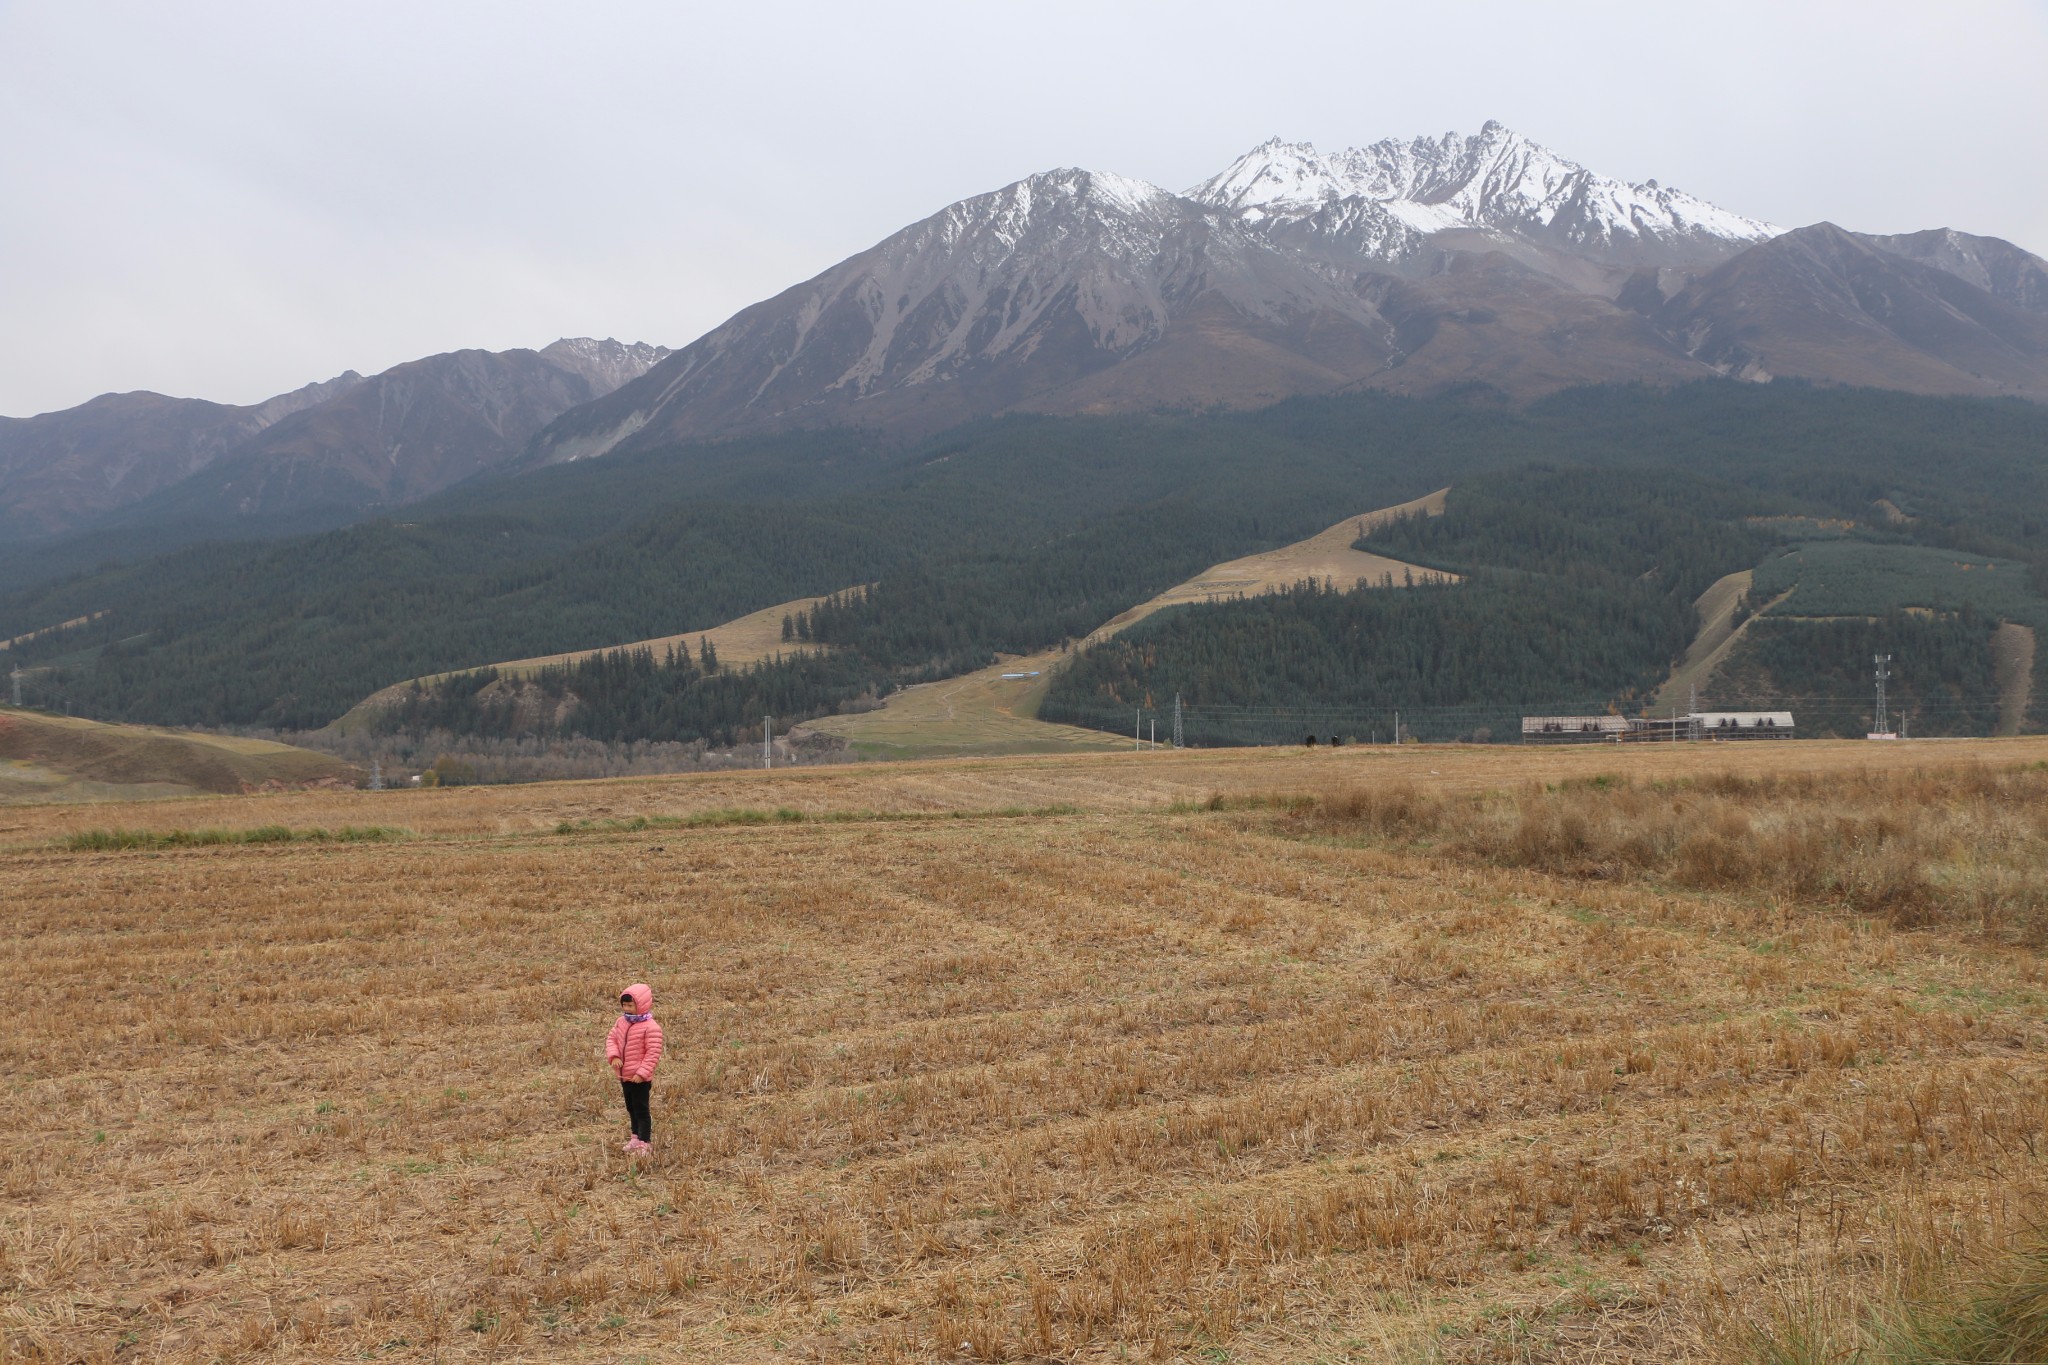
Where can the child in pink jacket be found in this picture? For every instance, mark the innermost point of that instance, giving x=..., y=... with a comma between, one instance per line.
x=634, y=1050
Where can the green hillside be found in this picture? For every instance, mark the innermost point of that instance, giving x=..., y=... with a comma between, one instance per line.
x=1580, y=593
x=1839, y=577
x=1015, y=534
x=1577, y=592
x=1944, y=676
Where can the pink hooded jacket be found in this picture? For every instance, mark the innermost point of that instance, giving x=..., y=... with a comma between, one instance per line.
x=637, y=1047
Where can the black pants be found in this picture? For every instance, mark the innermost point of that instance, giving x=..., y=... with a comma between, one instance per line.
x=636, y=1108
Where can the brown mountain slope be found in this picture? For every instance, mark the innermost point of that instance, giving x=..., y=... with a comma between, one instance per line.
x=1076, y=292
x=412, y=430
x=1820, y=303
x=1997, y=267
x=144, y=459
x=62, y=468
x=1015, y=299
x=1491, y=319
x=1073, y=291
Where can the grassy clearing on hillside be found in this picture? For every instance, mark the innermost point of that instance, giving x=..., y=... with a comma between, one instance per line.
x=991, y=711
x=738, y=643
x=1306, y=1081
x=1718, y=633
x=1327, y=556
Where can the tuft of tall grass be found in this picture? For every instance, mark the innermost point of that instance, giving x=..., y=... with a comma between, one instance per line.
x=1963, y=847
x=1997, y=1318
x=1996, y=1314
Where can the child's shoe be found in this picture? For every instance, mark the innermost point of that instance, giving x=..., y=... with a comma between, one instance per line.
x=637, y=1147
x=632, y=1145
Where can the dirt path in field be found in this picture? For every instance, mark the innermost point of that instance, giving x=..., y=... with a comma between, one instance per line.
x=2012, y=657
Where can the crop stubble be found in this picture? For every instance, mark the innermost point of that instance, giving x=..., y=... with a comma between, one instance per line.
x=1056, y=1086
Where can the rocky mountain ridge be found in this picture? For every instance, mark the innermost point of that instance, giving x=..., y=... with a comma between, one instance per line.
x=59, y=469
x=1496, y=182
x=348, y=443
x=1411, y=266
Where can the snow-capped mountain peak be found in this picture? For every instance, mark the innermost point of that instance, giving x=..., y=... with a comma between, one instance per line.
x=1120, y=192
x=1496, y=180
x=1069, y=191
x=1276, y=177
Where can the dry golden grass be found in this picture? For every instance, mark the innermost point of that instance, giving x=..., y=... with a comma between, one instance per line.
x=992, y=710
x=1269, y=1083
x=47, y=758
x=1960, y=847
x=744, y=640
x=1326, y=555
x=1718, y=632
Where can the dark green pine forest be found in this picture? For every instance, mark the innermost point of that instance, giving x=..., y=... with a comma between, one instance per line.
x=633, y=694
x=1577, y=593
x=1943, y=678
x=1585, y=525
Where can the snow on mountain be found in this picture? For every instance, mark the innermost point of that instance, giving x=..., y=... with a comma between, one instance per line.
x=1407, y=264
x=1016, y=248
x=1496, y=181
x=997, y=300
x=1288, y=179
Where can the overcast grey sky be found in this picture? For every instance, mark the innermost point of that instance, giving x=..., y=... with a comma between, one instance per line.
x=229, y=198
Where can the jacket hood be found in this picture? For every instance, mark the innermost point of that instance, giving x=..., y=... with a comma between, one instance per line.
x=643, y=997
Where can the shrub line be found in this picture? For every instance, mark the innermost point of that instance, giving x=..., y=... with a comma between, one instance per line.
x=106, y=840
x=712, y=819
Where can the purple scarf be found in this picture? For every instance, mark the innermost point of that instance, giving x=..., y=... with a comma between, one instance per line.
x=639, y=1018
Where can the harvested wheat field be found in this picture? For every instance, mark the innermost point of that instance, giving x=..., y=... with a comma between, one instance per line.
x=1430, y=1054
